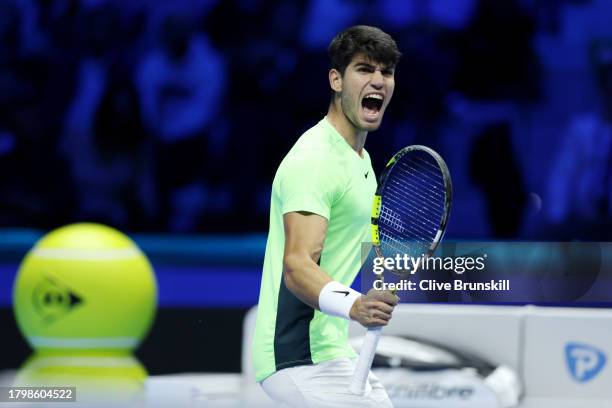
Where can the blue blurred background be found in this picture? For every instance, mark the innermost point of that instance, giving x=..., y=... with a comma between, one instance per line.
x=167, y=120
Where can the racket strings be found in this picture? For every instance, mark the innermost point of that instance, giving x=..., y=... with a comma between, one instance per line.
x=436, y=194
x=414, y=224
x=427, y=192
x=413, y=206
x=418, y=163
x=416, y=232
x=400, y=247
x=427, y=201
x=418, y=218
x=414, y=215
x=423, y=204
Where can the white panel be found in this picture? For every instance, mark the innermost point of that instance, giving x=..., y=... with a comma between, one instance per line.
x=546, y=369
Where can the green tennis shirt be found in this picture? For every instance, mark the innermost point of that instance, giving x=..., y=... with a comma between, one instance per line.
x=321, y=174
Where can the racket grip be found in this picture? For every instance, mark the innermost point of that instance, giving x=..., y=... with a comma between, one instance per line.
x=364, y=363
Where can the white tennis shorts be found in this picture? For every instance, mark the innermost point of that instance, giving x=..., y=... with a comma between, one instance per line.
x=323, y=385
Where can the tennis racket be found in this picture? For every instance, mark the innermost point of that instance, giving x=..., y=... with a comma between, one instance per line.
x=409, y=214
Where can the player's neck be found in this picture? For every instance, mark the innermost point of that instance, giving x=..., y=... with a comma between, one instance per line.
x=354, y=137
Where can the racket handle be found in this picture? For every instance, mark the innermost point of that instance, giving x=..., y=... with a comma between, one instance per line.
x=364, y=363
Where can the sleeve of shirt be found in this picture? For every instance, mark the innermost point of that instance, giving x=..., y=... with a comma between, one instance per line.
x=310, y=183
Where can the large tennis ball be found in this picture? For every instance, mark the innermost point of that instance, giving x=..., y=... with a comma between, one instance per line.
x=84, y=287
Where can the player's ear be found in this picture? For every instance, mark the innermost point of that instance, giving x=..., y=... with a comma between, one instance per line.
x=335, y=80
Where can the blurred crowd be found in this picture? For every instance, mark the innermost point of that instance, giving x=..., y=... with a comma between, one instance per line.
x=173, y=116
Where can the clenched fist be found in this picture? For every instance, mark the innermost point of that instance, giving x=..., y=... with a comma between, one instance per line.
x=375, y=308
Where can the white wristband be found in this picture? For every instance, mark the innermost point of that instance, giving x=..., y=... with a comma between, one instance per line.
x=337, y=299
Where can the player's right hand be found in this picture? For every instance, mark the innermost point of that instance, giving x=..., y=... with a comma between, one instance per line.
x=374, y=308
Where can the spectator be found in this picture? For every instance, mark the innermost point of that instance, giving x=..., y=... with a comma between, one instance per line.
x=111, y=164
x=580, y=188
x=36, y=181
x=494, y=168
x=181, y=86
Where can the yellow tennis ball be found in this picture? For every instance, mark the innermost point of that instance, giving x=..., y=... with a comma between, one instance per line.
x=85, y=287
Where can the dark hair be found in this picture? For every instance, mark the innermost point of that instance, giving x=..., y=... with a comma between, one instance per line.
x=361, y=39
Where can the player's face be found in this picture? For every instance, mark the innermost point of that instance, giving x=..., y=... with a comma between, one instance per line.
x=367, y=87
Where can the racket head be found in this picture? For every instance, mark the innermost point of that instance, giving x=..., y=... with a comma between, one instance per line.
x=411, y=205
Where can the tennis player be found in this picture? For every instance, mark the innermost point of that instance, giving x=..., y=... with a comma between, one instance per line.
x=319, y=217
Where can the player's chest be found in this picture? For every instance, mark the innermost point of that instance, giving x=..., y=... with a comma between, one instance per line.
x=356, y=202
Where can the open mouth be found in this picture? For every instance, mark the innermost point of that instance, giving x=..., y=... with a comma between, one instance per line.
x=372, y=104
